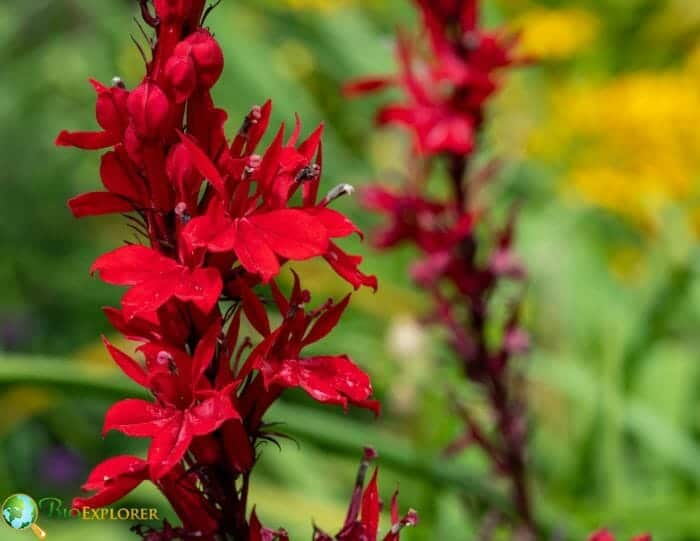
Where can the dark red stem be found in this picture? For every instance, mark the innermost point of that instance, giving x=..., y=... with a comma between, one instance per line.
x=508, y=455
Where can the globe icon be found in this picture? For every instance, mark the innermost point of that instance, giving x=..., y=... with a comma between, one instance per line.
x=19, y=512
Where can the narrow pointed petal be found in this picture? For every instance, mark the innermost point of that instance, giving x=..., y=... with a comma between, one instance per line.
x=367, y=85
x=327, y=322
x=255, y=311
x=128, y=365
x=87, y=140
x=97, y=204
x=370, y=507
x=347, y=267
x=204, y=354
x=204, y=164
x=112, y=480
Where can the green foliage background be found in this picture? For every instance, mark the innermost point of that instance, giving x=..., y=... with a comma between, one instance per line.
x=613, y=377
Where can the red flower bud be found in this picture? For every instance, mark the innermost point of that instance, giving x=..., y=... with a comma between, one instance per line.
x=149, y=110
x=181, y=73
x=111, y=107
x=183, y=174
x=133, y=145
x=207, y=56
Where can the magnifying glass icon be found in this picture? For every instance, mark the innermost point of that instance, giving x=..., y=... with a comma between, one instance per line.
x=20, y=512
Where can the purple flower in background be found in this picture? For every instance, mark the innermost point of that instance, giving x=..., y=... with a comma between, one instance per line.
x=60, y=466
x=16, y=330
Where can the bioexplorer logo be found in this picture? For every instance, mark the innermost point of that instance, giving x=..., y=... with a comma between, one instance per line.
x=21, y=512
x=54, y=508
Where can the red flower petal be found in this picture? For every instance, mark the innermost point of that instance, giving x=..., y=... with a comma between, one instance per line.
x=291, y=233
x=255, y=255
x=370, y=507
x=87, y=140
x=136, y=329
x=169, y=445
x=128, y=365
x=309, y=147
x=204, y=354
x=330, y=380
x=335, y=223
x=255, y=310
x=112, y=480
x=327, y=322
x=258, y=130
x=98, y=203
x=204, y=164
x=202, y=288
x=131, y=265
x=367, y=85
x=395, y=507
x=214, y=231
x=118, y=178
x=346, y=267
x=145, y=298
x=138, y=418
x=210, y=414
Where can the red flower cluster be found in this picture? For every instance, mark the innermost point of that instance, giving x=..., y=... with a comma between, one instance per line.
x=219, y=223
x=464, y=260
x=362, y=521
x=605, y=535
x=447, y=89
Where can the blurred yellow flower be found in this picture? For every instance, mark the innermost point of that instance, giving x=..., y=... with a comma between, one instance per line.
x=293, y=59
x=627, y=263
x=556, y=34
x=631, y=145
x=315, y=4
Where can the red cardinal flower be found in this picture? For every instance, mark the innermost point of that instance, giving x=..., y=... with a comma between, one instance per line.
x=260, y=239
x=444, y=107
x=328, y=379
x=125, y=189
x=215, y=221
x=186, y=406
x=112, y=116
x=155, y=279
x=447, y=83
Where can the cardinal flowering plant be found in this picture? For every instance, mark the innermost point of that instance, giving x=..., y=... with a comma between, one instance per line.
x=466, y=253
x=214, y=226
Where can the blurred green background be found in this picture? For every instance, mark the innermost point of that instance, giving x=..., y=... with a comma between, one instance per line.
x=599, y=140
